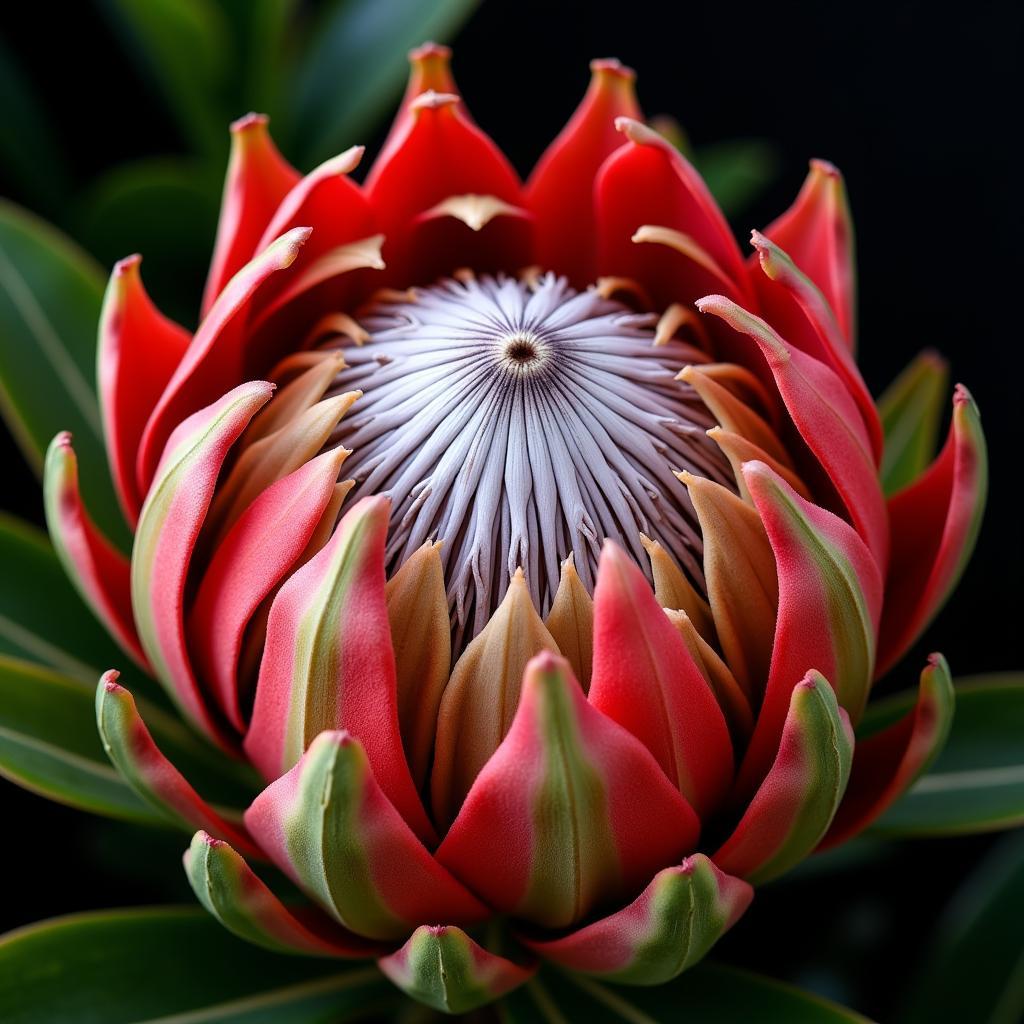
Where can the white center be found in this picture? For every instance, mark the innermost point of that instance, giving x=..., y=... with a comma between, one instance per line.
x=518, y=423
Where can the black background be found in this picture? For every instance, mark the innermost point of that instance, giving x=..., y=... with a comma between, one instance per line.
x=919, y=106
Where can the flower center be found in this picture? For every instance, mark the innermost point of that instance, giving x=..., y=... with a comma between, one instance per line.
x=519, y=422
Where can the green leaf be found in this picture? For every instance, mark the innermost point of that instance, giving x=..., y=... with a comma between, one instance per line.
x=185, y=48
x=352, y=71
x=50, y=295
x=977, y=782
x=910, y=409
x=42, y=618
x=709, y=993
x=29, y=149
x=974, y=968
x=165, y=209
x=265, y=41
x=49, y=744
x=738, y=171
x=171, y=964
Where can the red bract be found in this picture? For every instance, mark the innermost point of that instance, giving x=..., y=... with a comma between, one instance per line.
x=585, y=647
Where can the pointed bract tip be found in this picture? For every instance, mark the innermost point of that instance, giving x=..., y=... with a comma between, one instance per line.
x=826, y=168
x=545, y=663
x=431, y=100
x=757, y=469
x=340, y=738
x=711, y=303
x=127, y=265
x=809, y=681
x=610, y=550
x=290, y=243
x=427, y=50
x=961, y=396
x=612, y=67
x=109, y=679
x=934, y=358
x=377, y=505
x=63, y=440
x=206, y=839
x=345, y=162
x=249, y=121
x=936, y=660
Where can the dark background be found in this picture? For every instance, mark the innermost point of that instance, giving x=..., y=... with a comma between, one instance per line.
x=918, y=105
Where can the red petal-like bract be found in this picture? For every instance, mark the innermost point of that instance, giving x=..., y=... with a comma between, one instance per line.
x=649, y=182
x=560, y=192
x=98, y=570
x=886, y=763
x=215, y=360
x=328, y=661
x=830, y=599
x=443, y=967
x=935, y=523
x=644, y=679
x=667, y=928
x=570, y=812
x=248, y=564
x=330, y=827
x=429, y=71
x=827, y=418
x=169, y=526
x=817, y=232
x=245, y=905
x=443, y=155
x=258, y=179
x=138, y=351
x=788, y=815
x=143, y=765
x=792, y=302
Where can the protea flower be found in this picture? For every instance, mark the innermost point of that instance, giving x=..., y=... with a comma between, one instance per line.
x=546, y=589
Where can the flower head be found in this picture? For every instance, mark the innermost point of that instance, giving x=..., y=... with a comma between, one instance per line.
x=530, y=542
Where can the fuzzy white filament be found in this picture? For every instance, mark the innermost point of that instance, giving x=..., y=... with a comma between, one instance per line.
x=518, y=422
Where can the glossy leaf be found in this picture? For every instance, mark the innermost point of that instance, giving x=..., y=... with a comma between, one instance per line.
x=977, y=783
x=354, y=67
x=738, y=171
x=141, y=966
x=972, y=970
x=50, y=296
x=42, y=617
x=29, y=148
x=710, y=994
x=161, y=207
x=49, y=744
x=158, y=34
